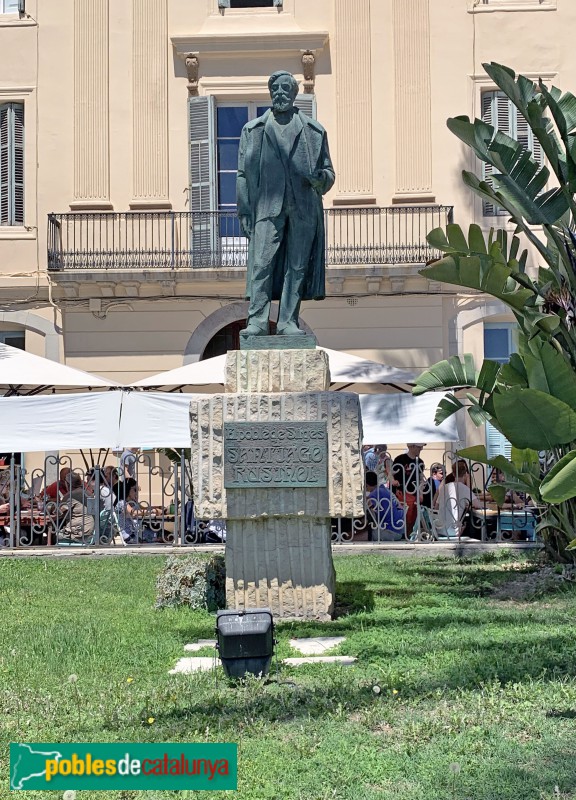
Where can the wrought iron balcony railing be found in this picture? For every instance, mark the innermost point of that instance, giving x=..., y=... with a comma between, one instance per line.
x=185, y=240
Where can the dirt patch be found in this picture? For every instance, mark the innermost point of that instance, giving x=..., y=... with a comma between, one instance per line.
x=544, y=581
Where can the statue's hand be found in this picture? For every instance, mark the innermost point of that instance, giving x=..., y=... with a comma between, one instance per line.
x=246, y=225
x=316, y=179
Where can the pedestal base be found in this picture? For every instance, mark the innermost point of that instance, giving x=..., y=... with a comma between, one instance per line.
x=298, y=341
x=284, y=564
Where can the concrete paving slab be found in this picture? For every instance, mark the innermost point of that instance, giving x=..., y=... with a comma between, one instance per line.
x=197, y=664
x=392, y=549
x=345, y=661
x=316, y=645
x=192, y=648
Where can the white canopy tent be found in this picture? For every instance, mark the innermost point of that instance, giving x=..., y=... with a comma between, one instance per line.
x=154, y=419
x=346, y=370
x=25, y=373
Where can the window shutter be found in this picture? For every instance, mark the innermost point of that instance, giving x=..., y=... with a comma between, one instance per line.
x=496, y=111
x=202, y=161
x=307, y=104
x=12, y=164
x=496, y=443
x=488, y=117
x=525, y=136
x=4, y=165
x=18, y=163
x=504, y=110
x=202, y=179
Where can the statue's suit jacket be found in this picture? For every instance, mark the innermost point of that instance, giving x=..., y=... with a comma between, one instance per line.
x=261, y=189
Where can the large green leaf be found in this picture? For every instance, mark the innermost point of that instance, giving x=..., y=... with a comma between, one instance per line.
x=530, y=100
x=533, y=419
x=522, y=199
x=446, y=407
x=549, y=372
x=480, y=265
x=563, y=110
x=478, y=453
x=519, y=180
x=449, y=374
x=516, y=479
x=560, y=483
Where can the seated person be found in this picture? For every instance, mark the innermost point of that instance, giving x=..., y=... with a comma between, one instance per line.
x=383, y=508
x=131, y=514
x=512, y=499
x=430, y=487
x=453, y=499
x=60, y=487
x=109, y=487
x=75, y=523
x=384, y=466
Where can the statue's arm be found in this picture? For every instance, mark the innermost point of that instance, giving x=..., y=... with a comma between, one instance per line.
x=326, y=167
x=242, y=195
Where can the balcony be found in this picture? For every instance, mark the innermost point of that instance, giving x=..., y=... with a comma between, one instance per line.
x=180, y=240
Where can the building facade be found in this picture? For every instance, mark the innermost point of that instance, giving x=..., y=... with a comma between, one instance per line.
x=120, y=252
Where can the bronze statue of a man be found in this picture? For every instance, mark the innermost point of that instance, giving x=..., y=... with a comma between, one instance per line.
x=284, y=168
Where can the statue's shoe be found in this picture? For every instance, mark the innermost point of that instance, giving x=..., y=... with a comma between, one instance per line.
x=291, y=329
x=254, y=330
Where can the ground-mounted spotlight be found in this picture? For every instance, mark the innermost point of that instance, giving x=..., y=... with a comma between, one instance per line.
x=245, y=641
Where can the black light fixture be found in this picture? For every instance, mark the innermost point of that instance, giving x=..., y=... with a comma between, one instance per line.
x=245, y=641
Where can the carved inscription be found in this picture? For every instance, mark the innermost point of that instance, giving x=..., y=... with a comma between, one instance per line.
x=275, y=454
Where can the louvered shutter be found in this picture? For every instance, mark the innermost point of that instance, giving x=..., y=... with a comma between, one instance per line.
x=12, y=164
x=525, y=137
x=18, y=164
x=307, y=104
x=202, y=180
x=496, y=443
x=4, y=166
x=496, y=112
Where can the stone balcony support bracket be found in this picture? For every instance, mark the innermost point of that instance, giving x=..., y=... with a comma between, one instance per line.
x=303, y=44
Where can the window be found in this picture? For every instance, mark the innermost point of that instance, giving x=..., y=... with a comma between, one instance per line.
x=499, y=344
x=9, y=6
x=12, y=164
x=214, y=130
x=230, y=119
x=499, y=341
x=14, y=339
x=501, y=113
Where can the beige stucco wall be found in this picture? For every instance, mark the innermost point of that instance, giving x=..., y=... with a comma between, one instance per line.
x=105, y=96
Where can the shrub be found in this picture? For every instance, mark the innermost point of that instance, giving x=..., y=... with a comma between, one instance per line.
x=193, y=581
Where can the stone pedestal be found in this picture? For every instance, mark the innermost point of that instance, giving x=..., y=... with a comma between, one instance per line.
x=277, y=456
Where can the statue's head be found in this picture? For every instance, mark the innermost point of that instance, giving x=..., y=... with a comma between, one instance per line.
x=283, y=88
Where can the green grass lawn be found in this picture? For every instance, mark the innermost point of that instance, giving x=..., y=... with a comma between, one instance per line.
x=455, y=694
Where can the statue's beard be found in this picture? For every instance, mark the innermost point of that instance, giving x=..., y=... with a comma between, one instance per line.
x=281, y=103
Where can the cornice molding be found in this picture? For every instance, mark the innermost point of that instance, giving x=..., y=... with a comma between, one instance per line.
x=261, y=43
x=483, y=79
